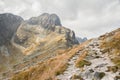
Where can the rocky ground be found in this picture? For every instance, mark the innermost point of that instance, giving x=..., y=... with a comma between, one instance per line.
x=98, y=70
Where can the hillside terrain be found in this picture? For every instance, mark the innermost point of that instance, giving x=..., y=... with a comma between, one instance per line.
x=95, y=59
x=41, y=48
x=24, y=43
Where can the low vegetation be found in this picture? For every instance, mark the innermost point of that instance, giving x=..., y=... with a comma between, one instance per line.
x=111, y=44
x=74, y=77
x=81, y=61
x=112, y=68
x=116, y=60
x=49, y=69
x=101, y=75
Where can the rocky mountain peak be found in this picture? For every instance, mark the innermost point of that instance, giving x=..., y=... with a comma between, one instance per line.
x=46, y=20
x=40, y=30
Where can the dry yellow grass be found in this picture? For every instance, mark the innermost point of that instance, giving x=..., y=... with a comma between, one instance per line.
x=81, y=61
x=6, y=62
x=48, y=70
x=111, y=44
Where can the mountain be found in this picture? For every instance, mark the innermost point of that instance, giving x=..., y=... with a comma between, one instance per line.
x=80, y=40
x=45, y=20
x=8, y=26
x=95, y=59
x=8, y=53
x=24, y=43
x=45, y=30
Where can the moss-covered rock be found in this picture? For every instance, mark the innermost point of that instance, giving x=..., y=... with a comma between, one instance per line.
x=112, y=68
x=82, y=63
x=74, y=77
x=117, y=77
x=99, y=75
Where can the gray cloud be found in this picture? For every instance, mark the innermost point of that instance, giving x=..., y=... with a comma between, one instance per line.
x=89, y=18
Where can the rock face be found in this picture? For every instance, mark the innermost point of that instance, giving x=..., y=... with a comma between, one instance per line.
x=45, y=20
x=80, y=40
x=46, y=30
x=28, y=42
x=8, y=26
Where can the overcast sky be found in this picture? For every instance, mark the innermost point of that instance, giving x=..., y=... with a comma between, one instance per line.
x=89, y=18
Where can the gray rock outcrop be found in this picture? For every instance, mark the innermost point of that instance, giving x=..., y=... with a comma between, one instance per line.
x=8, y=26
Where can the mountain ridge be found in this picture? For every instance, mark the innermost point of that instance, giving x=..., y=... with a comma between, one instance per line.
x=23, y=43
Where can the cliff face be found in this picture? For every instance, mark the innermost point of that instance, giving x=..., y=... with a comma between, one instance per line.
x=8, y=26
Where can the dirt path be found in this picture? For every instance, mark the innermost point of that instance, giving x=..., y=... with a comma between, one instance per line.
x=72, y=69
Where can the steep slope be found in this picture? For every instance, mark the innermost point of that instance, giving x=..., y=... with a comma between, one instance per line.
x=45, y=30
x=8, y=26
x=96, y=59
x=29, y=42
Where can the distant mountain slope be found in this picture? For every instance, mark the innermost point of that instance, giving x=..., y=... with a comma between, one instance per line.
x=80, y=40
x=24, y=43
x=43, y=32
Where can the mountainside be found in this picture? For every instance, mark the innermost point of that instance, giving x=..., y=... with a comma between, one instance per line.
x=45, y=30
x=95, y=59
x=8, y=26
x=42, y=49
x=24, y=43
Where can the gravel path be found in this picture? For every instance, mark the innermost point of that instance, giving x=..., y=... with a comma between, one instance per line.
x=71, y=70
x=99, y=64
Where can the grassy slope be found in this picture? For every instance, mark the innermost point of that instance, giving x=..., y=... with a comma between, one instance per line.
x=111, y=44
x=50, y=68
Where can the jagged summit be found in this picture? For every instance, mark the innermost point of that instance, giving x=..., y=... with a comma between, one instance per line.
x=43, y=28
x=46, y=20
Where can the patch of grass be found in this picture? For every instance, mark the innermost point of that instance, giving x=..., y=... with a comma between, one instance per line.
x=117, y=77
x=50, y=68
x=82, y=63
x=61, y=70
x=3, y=68
x=76, y=77
x=116, y=60
x=111, y=45
x=21, y=76
x=112, y=68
